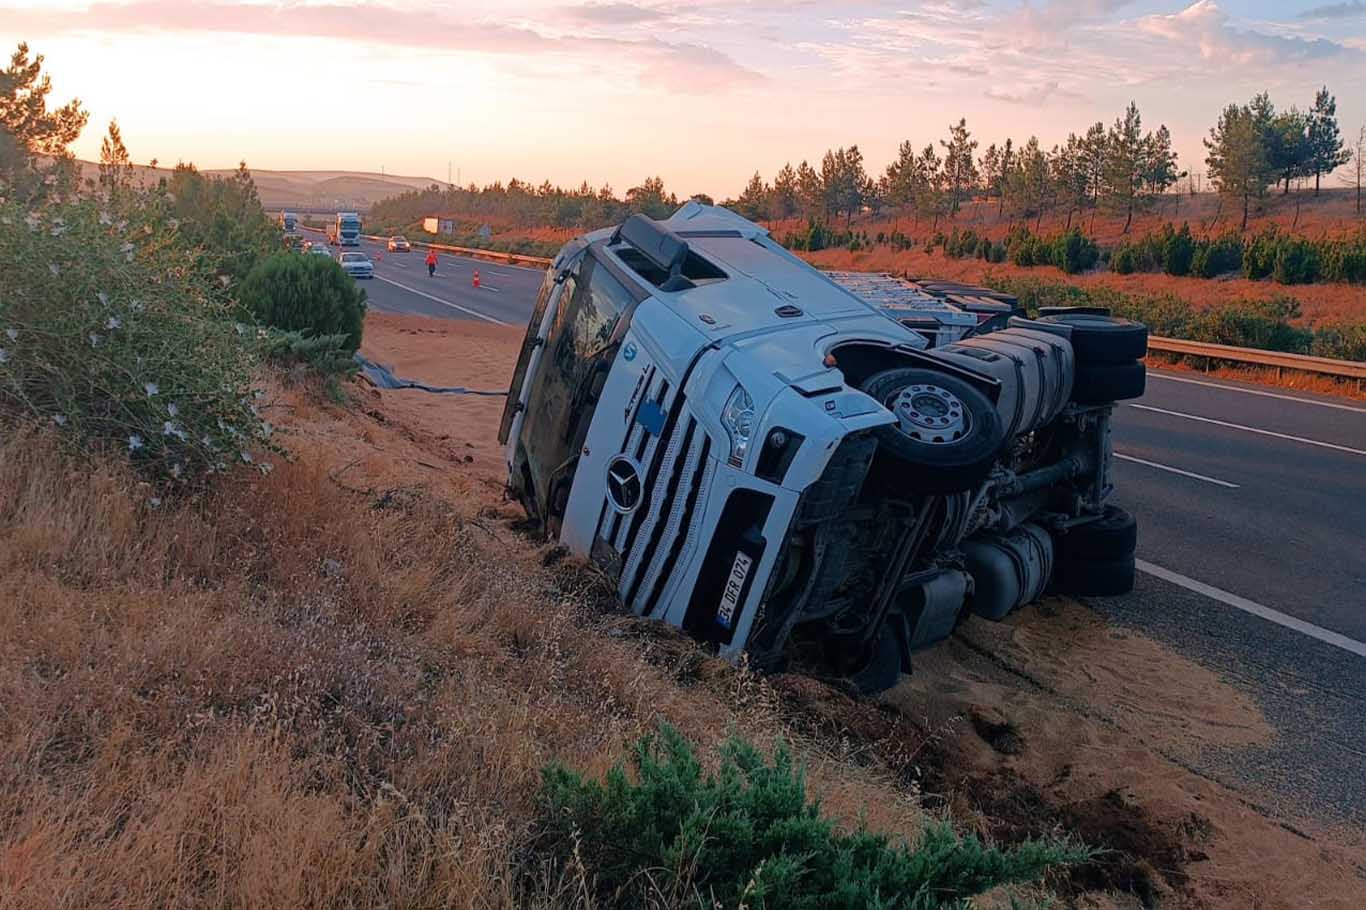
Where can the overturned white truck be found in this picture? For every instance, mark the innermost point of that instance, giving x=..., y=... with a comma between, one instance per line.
x=785, y=466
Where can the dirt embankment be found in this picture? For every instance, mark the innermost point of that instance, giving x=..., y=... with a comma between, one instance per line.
x=1051, y=721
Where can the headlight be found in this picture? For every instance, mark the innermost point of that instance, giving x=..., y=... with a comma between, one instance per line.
x=738, y=419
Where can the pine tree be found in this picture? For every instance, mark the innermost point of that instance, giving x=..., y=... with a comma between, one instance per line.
x=810, y=191
x=115, y=167
x=960, y=169
x=754, y=201
x=1236, y=157
x=784, y=200
x=1327, y=151
x=929, y=185
x=1093, y=150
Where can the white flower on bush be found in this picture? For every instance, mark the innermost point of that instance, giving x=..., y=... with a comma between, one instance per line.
x=151, y=389
x=208, y=443
x=177, y=470
x=241, y=329
x=54, y=268
x=246, y=458
x=225, y=280
x=170, y=429
x=154, y=501
x=94, y=339
x=112, y=323
x=135, y=306
x=174, y=223
x=265, y=467
x=265, y=430
x=13, y=334
x=4, y=356
x=58, y=230
x=105, y=219
x=103, y=298
x=172, y=409
x=122, y=225
x=59, y=419
x=134, y=442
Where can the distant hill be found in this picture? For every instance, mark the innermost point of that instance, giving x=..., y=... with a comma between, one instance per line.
x=328, y=190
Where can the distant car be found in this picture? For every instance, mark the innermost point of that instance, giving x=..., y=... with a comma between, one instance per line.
x=319, y=249
x=400, y=245
x=357, y=265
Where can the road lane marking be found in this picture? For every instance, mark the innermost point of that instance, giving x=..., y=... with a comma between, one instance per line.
x=455, y=306
x=1233, y=388
x=1327, y=636
x=1183, y=473
x=489, y=287
x=1247, y=429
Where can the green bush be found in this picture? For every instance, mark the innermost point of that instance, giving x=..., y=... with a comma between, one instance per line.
x=1072, y=252
x=1259, y=254
x=749, y=836
x=1124, y=260
x=308, y=294
x=1178, y=250
x=1218, y=256
x=1297, y=261
x=1345, y=259
x=117, y=336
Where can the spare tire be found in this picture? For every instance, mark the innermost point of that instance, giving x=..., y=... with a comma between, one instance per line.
x=1112, y=536
x=1100, y=383
x=946, y=431
x=1103, y=339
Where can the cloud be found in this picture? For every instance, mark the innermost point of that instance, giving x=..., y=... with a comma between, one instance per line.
x=615, y=13
x=685, y=67
x=1205, y=28
x=1034, y=95
x=1351, y=9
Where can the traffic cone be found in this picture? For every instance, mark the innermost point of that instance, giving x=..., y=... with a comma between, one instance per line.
x=475, y=281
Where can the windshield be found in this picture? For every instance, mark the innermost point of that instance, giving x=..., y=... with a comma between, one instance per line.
x=579, y=352
x=353, y=257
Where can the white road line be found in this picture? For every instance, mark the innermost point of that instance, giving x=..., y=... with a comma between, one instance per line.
x=455, y=306
x=1167, y=467
x=1247, y=429
x=489, y=287
x=1233, y=388
x=1318, y=633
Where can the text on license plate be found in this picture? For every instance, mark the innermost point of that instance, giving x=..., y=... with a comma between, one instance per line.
x=730, y=598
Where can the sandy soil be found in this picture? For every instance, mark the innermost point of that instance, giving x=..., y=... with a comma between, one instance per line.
x=1050, y=721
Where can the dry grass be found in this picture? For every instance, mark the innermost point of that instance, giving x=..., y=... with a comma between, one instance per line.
x=286, y=694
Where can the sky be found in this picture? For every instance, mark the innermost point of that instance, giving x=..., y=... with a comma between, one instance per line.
x=701, y=93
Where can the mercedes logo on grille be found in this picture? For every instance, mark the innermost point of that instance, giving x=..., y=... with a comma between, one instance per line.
x=623, y=484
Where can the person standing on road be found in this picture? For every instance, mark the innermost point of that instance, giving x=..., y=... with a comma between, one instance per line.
x=431, y=263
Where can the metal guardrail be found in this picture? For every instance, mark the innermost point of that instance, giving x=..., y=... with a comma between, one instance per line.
x=1299, y=363
x=496, y=255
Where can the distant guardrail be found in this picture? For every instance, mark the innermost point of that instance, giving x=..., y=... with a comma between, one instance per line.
x=496, y=255
x=1280, y=362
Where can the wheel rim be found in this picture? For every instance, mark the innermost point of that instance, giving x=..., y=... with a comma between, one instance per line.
x=931, y=414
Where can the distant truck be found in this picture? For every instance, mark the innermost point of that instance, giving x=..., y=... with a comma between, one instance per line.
x=289, y=222
x=346, y=230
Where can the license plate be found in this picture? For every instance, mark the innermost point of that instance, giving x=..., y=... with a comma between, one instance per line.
x=730, y=599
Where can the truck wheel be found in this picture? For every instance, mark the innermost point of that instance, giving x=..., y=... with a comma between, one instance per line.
x=1094, y=577
x=1100, y=383
x=1103, y=339
x=946, y=432
x=1112, y=536
x=883, y=669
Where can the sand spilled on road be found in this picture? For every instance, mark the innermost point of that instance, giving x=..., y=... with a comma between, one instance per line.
x=1052, y=721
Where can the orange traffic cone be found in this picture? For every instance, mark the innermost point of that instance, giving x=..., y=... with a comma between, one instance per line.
x=475, y=281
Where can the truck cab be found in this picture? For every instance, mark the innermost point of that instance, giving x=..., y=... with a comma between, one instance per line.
x=346, y=231
x=773, y=463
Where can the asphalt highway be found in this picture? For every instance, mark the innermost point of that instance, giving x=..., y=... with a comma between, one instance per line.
x=1251, y=502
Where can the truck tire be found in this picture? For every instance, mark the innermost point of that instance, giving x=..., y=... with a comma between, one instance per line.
x=1112, y=536
x=1094, y=577
x=947, y=432
x=1100, y=383
x=1103, y=339
x=883, y=669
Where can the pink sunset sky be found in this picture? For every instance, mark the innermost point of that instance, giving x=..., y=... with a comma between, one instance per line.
x=701, y=93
